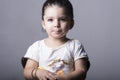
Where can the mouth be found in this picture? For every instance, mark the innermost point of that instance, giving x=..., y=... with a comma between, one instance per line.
x=57, y=31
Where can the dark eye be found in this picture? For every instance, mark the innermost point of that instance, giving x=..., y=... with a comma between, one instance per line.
x=62, y=19
x=50, y=20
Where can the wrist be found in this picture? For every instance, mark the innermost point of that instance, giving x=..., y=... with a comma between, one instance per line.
x=62, y=77
x=34, y=73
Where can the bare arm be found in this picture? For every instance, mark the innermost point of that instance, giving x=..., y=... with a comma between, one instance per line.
x=31, y=72
x=79, y=73
x=28, y=70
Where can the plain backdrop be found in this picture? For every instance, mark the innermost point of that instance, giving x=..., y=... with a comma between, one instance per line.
x=97, y=26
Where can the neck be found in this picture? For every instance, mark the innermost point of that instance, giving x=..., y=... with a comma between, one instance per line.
x=51, y=42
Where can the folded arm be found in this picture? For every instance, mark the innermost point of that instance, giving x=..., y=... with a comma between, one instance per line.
x=81, y=68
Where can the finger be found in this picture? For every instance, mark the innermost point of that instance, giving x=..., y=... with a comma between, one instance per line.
x=44, y=79
x=51, y=76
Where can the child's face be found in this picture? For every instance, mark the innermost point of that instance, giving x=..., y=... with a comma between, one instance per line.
x=56, y=22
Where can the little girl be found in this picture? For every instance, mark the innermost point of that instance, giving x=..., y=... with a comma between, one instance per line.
x=56, y=57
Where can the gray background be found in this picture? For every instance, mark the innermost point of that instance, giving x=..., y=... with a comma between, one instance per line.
x=97, y=26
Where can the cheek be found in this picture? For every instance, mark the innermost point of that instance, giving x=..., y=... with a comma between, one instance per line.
x=67, y=27
x=66, y=30
x=49, y=29
x=47, y=26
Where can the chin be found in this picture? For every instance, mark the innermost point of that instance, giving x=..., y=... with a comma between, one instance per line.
x=58, y=37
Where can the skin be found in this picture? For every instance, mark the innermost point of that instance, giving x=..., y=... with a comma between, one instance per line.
x=56, y=23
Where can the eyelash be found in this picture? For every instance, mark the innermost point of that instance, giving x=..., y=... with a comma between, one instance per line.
x=61, y=19
x=50, y=20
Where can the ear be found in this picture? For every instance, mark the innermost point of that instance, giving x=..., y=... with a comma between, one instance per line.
x=72, y=24
x=43, y=24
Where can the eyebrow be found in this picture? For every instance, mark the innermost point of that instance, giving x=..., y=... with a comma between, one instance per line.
x=59, y=17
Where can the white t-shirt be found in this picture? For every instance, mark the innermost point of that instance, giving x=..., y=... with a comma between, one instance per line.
x=60, y=58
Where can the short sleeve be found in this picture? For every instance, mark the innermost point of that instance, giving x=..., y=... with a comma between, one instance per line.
x=33, y=51
x=79, y=51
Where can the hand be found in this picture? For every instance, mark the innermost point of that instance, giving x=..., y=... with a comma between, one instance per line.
x=45, y=75
x=61, y=77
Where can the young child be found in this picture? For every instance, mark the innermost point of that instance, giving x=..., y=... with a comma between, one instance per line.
x=56, y=57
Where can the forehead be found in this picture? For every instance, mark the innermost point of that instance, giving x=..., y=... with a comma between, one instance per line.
x=55, y=10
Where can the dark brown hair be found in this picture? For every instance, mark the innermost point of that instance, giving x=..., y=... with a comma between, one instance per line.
x=62, y=3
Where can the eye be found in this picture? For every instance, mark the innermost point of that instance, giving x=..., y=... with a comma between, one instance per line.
x=50, y=20
x=62, y=19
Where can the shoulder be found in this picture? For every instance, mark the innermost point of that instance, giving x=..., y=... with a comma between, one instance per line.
x=36, y=43
x=77, y=49
x=75, y=45
x=75, y=42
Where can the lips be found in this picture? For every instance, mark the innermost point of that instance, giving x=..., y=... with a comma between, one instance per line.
x=57, y=31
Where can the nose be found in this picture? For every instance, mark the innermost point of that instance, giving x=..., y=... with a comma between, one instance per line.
x=57, y=23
